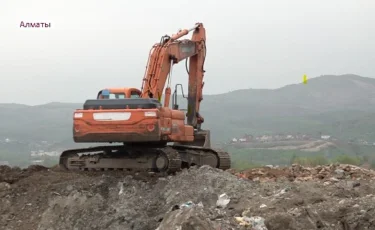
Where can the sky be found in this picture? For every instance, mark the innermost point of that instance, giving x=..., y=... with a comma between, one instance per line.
x=250, y=44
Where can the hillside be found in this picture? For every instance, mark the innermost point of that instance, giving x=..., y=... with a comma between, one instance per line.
x=337, y=105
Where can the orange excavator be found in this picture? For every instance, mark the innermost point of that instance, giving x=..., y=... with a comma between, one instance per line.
x=153, y=136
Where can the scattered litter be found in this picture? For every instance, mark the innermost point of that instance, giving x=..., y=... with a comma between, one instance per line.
x=242, y=221
x=121, y=189
x=300, y=173
x=223, y=201
x=256, y=223
x=187, y=204
x=282, y=191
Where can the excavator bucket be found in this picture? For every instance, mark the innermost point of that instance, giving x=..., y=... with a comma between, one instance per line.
x=202, y=139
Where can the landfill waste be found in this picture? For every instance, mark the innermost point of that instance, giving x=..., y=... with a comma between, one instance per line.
x=325, y=197
x=255, y=223
x=300, y=173
x=223, y=201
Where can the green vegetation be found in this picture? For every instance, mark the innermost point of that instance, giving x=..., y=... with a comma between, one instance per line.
x=310, y=161
x=346, y=154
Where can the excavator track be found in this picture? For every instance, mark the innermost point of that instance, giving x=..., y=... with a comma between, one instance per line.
x=195, y=155
x=224, y=159
x=168, y=159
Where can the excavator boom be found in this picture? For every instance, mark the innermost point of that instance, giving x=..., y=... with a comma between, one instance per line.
x=145, y=126
x=171, y=51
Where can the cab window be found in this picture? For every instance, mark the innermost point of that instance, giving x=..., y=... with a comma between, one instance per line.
x=116, y=96
x=134, y=94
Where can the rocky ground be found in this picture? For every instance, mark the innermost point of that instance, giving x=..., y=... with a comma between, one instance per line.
x=325, y=197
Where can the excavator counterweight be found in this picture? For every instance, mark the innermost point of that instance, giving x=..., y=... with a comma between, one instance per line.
x=153, y=136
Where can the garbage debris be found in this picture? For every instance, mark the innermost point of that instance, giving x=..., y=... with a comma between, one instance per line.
x=256, y=223
x=300, y=173
x=187, y=204
x=223, y=200
x=293, y=198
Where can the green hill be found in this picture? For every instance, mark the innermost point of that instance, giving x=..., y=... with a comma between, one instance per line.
x=342, y=106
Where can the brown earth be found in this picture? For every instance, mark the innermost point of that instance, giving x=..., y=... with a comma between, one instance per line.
x=324, y=197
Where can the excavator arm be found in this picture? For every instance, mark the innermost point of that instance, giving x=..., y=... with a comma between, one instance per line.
x=171, y=51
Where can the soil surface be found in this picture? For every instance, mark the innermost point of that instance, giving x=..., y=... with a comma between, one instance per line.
x=325, y=197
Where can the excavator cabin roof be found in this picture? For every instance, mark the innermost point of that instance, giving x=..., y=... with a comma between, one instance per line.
x=119, y=93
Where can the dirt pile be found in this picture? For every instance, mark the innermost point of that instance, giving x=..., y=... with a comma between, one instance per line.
x=198, y=198
x=331, y=172
x=11, y=175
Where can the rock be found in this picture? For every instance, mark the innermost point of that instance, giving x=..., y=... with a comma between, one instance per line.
x=326, y=183
x=339, y=173
x=69, y=188
x=280, y=221
x=333, y=179
x=356, y=184
x=4, y=186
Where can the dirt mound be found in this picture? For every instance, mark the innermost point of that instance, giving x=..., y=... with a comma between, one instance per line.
x=300, y=173
x=204, y=198
x=12, y=175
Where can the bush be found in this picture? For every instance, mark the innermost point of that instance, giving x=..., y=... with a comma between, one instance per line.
x=311, y=161
x=345, y=159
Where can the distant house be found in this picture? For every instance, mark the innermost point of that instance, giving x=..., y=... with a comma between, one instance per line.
x=234, y=140
x=43, y=153
x=37, y=161
x=325, y=137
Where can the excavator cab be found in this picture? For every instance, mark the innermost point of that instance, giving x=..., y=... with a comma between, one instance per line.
x=103, y=94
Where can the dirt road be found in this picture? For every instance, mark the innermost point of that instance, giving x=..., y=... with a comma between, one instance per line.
x=329, y=197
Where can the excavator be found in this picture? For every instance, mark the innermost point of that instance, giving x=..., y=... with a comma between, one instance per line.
x=153, y=136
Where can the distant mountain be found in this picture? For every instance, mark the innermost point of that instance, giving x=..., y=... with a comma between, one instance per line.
x=342, y=106
x=324, y=93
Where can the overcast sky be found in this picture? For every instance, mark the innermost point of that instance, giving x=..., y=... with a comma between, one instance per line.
x=95, y=44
